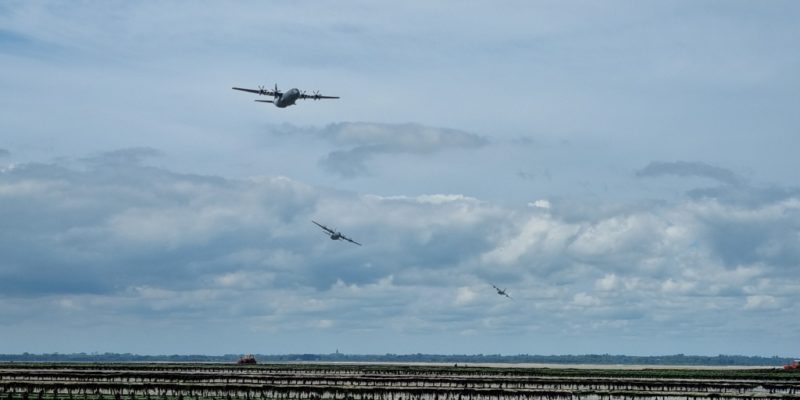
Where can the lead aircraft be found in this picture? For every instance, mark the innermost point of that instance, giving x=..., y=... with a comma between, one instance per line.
x=284, y=99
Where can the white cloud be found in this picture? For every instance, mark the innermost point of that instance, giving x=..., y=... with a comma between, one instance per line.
x=541, y=203
x=585, y=300
x=150, y=293
x=465, y=295
x=324, y=324
x=672, y=286
x=607, y=283
x=540, y=234
x=68, y=304
x=761, y=302
x=618, y=235
x=30, y=188
x=445, y=198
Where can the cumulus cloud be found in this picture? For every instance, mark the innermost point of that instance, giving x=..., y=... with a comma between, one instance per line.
x=689, y=169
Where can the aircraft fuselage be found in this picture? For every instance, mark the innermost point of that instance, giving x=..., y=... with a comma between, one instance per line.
x=288, y=98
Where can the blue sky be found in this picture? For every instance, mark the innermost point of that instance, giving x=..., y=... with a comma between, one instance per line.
x=626, y=169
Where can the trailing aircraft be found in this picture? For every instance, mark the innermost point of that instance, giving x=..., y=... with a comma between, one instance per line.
x=335, y=235
x=502, y=292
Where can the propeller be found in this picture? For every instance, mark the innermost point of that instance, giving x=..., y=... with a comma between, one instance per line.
x=316, y=95
x=261, y=90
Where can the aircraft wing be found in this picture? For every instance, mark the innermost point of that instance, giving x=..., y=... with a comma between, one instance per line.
x=325, y=228
x=264, y=92
x=350, y=240
x=316, y=96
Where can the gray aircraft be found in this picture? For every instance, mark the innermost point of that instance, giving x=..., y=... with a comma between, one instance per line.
x=284, y=99
x=502, y=292
x=334, y=235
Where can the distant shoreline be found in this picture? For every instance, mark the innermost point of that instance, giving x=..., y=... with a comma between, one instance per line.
x=627, y=367
x=540, y=365
x=500, y=361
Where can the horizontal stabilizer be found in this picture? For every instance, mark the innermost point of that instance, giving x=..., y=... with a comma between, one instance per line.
x=264, y=101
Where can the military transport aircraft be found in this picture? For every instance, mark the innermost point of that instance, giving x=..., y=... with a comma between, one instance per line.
x=502, y=292
x=335, y=235
x=284, y=99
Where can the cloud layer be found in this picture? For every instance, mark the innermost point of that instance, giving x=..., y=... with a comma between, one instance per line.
x=106, y=241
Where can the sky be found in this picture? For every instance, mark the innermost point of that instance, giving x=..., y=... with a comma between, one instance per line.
x=626, y=170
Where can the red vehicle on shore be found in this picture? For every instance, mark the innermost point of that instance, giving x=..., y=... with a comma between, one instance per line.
x=247, y=359
x=794, y=365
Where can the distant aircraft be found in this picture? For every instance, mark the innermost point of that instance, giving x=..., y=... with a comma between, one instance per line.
x=335, y=235
x=502, y=292
x=285, y=99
